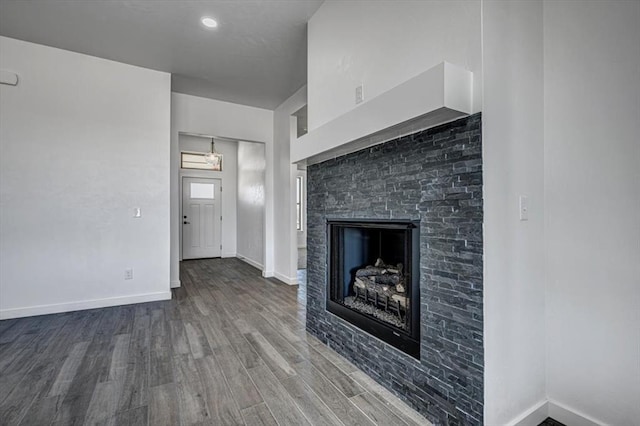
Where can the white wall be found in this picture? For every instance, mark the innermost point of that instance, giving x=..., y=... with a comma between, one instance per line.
x=83, y=141
x=228, y=177
x=384, y=43
x=513, y=150
x=191, y=114
x=286, y=247
x=592, y=202
x=251, y=202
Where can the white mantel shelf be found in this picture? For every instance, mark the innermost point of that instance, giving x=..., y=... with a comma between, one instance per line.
x=439, y=95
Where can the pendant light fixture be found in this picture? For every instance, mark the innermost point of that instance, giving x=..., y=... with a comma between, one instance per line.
x=213, y=158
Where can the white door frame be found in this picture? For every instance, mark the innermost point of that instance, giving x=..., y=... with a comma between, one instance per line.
x=181, y=215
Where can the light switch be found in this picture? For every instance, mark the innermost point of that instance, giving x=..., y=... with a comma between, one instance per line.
x=524, y=207
x=137, y=212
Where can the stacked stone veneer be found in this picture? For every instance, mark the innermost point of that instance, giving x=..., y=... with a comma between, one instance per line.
x=435, y=176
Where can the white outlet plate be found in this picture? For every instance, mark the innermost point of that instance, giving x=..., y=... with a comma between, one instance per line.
x=359, y=94
x=137, y=212
x=128, y=274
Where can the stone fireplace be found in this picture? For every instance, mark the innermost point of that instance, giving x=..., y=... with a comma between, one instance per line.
x=408, y=212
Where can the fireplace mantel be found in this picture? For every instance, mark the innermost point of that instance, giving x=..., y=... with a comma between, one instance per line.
x=439, y=95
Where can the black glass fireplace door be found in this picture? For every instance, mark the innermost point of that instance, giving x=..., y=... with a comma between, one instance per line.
x=373, y=278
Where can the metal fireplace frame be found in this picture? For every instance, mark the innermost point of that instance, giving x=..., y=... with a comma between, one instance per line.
x=407, y=342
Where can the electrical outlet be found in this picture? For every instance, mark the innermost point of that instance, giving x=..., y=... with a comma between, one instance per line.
x=137, y=212
x=524, y=208
x=128, y=274
x=359, y=94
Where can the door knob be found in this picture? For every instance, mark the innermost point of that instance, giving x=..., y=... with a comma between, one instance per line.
x=186, y=223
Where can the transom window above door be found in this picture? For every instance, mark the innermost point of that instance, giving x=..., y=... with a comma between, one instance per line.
x=197, y=160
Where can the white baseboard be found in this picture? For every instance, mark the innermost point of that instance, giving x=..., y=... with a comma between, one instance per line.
x=557, y=411
x=285, y=279
x=82, y=305
x=250, y=262
x=175, y=284
x=569, y=416
x=268, y=274
x=227, y=255
x=533, y=416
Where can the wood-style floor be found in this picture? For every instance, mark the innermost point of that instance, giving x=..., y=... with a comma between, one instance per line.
x=230, y=348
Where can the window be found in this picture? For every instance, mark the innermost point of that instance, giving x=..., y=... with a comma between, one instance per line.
x=202, y=190
x=196, y=160
x=299, y=189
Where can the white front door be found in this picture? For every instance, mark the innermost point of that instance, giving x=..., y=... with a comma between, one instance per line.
x=201, y=217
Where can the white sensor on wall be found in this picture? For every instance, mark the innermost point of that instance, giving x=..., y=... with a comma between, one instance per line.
x=9, y=78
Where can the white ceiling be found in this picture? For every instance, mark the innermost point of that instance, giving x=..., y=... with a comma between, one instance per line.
x=256, y=56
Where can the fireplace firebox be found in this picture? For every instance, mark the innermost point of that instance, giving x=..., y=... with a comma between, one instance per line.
x=374, y=278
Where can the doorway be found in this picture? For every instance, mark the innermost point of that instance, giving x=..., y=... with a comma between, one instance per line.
x=201, y=218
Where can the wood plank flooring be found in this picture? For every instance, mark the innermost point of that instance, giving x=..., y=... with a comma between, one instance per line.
x=230, y=348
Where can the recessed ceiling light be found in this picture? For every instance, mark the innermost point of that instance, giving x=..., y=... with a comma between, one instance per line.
x=209, y=22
